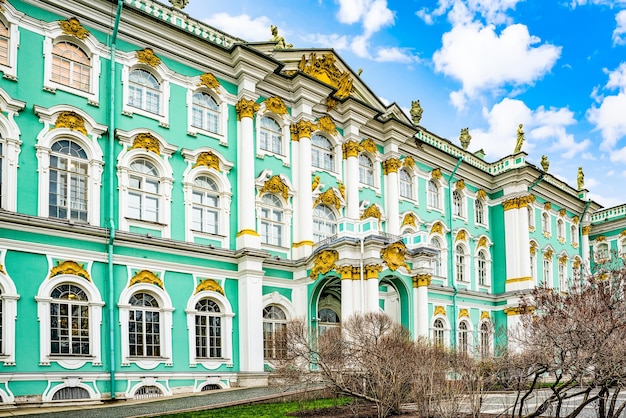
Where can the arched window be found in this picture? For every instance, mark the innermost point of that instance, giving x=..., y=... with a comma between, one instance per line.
x=479, y=212
x=69, y=168
x=322, y=155
x=327, y=319
x=208, y=329
x=545, y=223
x=602, y=252
x=437, y=259
x=531, y=217
x=406, y=184
x=4, y=43
x=547, y=271
x=274, y=326
x=533, y=265
x=143, y=191
x=560, y=230
x=482, y=268
x=205, y=112
x=463, y=339
x=69, y=321
x=206, y=205
x=71, y=66
x=439, y=331
x=433, y=195
x=366, y=170
x=457, y=203
x=563, y=282
x=461, y=274
x=573, y=231
x=485, y=339
x=144, y=91
x=271, y=135
x=271, y=220
x=324, y=223
x=144, y=326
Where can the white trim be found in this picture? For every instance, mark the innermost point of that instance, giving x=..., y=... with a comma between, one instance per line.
x=281, y=301
x=10, y=132
x=11, y=18
x=70, y=382
x=131, y=390
x=375, y=160
x=284, y=121
x=9, y=297
x=221, y=98
x=446, y=329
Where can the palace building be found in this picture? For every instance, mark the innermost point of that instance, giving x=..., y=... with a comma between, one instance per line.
x=171, y=196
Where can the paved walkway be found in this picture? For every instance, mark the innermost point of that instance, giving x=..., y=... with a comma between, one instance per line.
x=154, y=407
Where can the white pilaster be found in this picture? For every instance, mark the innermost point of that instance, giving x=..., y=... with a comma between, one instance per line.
x=250, y=315
x=351, y=161
x=392, y=197
x=420, y=298
x=303, y=231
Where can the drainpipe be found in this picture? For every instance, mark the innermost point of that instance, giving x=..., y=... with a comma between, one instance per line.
x=111, y=210
x=451, y=253
x=539, y=180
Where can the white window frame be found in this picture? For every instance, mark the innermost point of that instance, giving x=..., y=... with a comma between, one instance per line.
x=11, y=147
x=446, y=330
x=285, y=223
x=442, y=255
x=166, y=180
x=280, y=301
x=458, y=204
x=165, y=320
x=283, y=122
x=47, y=136
x=408, y=185
x=573, y=230
x=464, y=265
x=469, y=331
x=546, y=224
x=480, y=212
x=547, y=273
x=325, y=221
x=227, y=314
x=431, y=197
x=531, y=217
x=562, y=275
x=373, y=170
x=485, y=352
x=560, y=230
x=222, y=99
x=162, y=74
x=10, y=17
x=599, y=254
x=95, y=304
x=332, y=152
x=90, y=46
x=8, y=298
x=487, y=266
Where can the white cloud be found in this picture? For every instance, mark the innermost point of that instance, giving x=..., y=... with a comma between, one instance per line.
x=620, y=29
x=610, y=3
x=619, y=155
x=607, y=202
x=243, y=26
x=464, y=11
x=395, y=54
x=482, y=59
x=334, y=40
x=373, y=14
x=360, y=46
x=608, y=117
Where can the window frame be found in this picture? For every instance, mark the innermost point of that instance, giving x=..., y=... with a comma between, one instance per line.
x=270, y=223
x=8, y=299
x=546, y=224
x=442, y=255
x=436, y=332
x=331, y=152
x=547, y=273
x=433, y=191
x=485, y=338
x=71, y=182
x=480, y=214
x=407, y=185
x=162, y=74
x=11, y=20
x=317, y=220
x=458, y=204
x=11, y=147
x=464, y=345
x=278, y=326
x=460, y=265
x=367, y=172
x=486, y=268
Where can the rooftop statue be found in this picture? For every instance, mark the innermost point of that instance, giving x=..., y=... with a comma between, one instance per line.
x=580, y=179
x=416, y=111
x=280, y=41
x=545, y=164
x=520, y=139
x=179, y=4
x=465, y=138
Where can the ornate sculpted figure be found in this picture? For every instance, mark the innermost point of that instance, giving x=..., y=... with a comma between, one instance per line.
x=580, y=179
x=520, y=139
x=280, y=41
x=465, y=138
x=545, y=164
x=416, y=111
x=179, y=4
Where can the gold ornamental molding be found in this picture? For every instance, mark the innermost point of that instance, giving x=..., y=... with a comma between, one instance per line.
x=276, y=105
x=547, y=205
x=439, y=310
x=372, y=270
x=326, y=124
x=391, y=165
x=246, y=108
x=519, y=280
x=325, y=70
x=623, y=233
x=350, y=149
x=437, y=228
x=422, y=280
x=511, y=204
x=586, y=229
x=72, y=121
x=73, y=28
x=460, y=185
x=600, y=238
x=461, y=236
x=575, y=220
x=324, y=262
x=2, y=269
x=302, y=129
x=342, y=189
x=275, y=185
x=147, y=56
x=482, y=242
x=250, y=232
x=146, y=276
x=547, y=254
x=304, y=243
x=409, y=162
x=519, y=310
x=148, y=142
x=209, y=81
x=562, y=212
x=369, y=145
x=69, y=267
x=436, y=173
x=409, y=219
x=464, y=313
x=372, y=212
x=345, y=272
x=208, y=159
x=315, y=183
x=576, y=263
x=394, y=256
x=481, y=194
x=563, y=259
x=533, y=248
x=210, y=285
x=524, y=201
x=331, y=103
x=329, y=198
x=485, y=315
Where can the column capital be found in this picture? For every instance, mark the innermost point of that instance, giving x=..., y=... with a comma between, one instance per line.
x=586, y=229
x=302, y=129
x=372, y=270
x=351, y=149
x=511, y=203
x=421, y=280
x=246, y=108
x=391, y=165
x=345, y=271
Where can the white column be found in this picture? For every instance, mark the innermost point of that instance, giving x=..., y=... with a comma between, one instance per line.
x=347, y=292
x=372, y=296
x=524, y=241
x=392, y=197
x=420, y=300
x=351, y=158
x=250, y=317
x=303, y=231
x=518, y=275
x=247, y=236
x=585, y=247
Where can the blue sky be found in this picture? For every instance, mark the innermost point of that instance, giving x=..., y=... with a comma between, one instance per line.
x=557, y=66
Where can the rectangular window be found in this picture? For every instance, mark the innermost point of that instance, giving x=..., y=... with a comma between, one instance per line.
x=208, y=336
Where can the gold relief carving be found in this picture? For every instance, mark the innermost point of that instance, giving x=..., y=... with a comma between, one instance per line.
x=72, y=121
x=460, y=185
x=524, y=201
x=511, y=204
x=208, y=159
x=328, y=198
x=301, y=129
x=563, y=259
x=391, y=165
x=600, y=238
x=69, y=267
x=251, y=232
x=436, y=173
x=482, y=242
x=439, y=310
x=547, y=206
x=409, y=162
x=2, y=269
x=147, y=56
x=73, y=28
x=623, y=233
x=463, y=313
x=369, y=145
x=246, y=108
x=461, y=236
x=519, y=310
x=547, y=254
x=145, y=276
x=208, y=80
x=371, y=212
x=575, y=220
x=481, y=194
x=409, y=219
x=519, y=279
x=372, y=270
x=394, y=255
x=356, y=272
x=276, y=105
x=576, y=263
x=484, y=315
x=147, y=142
x=326, y=124
x=324, y=262
x=345, y=271
x=437, y=228
x=315, y=183
x=210, y=285
x=533, y=248
x=350, y=149
x=302, y=244
x=325, y=70
x=275, y=185
x=586, y=229
x=562, y=212
x=422, y=280
x=342, y=189
x=331, y=103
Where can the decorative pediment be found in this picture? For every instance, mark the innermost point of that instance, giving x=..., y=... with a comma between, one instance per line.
x=464, y=313
x=575, y=220
x=328, y=198
x=461, y=236
x=437, y=228
x=484, y=315
x=72, y=121
x=410, y=220
x=210, y=285
x=547, y=206
x=563, y=259
x=369, y=145
x=409, y=162
x=482, y=242
x=148, y=142
x=394, y=255
x=562, y=212
x=73, y=28
x=276, y=185
x=145, y=276
x=208, y=159
x=547, y=254
x=372, y=212
x=147, y=56
x=460, y=185
x=325, y=70
x=326, y=124
x=436, y=173
x=209, y=81
x=481, y=194
x=276, y=105
x=439, y=310
x=324, y=262
x=69, y=267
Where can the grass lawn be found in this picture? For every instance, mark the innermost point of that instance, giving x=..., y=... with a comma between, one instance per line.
x=269, y=410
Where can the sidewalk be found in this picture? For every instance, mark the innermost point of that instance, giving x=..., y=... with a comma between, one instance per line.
x=154, y=407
